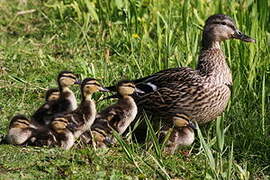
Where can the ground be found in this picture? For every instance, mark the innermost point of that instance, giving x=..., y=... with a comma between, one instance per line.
x=114, y=40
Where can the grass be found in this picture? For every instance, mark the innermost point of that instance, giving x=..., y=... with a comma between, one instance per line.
x=127, y=39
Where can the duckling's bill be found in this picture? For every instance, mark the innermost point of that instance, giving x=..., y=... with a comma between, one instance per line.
x=78, y=82
x=103, y=89
x=137, y=90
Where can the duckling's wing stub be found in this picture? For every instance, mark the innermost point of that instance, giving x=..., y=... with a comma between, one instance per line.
x=113, y=113
x=49, y=110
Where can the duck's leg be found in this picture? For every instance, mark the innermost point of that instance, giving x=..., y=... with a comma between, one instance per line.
x=172, y=143
x=121, y=126
x=66, y=139
x=179, y=137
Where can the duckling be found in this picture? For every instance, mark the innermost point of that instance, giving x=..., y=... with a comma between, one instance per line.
x=52, y=94
x=117, y=116
x=70, y=126
x=100, y=135
x=62, y=102
x=22, y=129
x=121, y=114
x=182, y=133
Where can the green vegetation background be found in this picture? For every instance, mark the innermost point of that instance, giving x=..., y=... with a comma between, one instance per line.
x=128, y=39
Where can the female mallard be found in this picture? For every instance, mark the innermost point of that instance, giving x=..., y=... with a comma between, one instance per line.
x=199, y=95
x=196, y=95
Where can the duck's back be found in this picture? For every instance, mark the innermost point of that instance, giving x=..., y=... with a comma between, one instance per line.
x=199, y=95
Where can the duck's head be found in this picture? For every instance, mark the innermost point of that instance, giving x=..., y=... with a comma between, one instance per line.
x=126, y=87
x=220, y=27
x=19, y=121
x=52, y=94
x=59, y=123
x=67, y=78
x=90, y=86
x=181, y=122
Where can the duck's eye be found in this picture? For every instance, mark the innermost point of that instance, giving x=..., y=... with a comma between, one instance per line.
x=223, y=23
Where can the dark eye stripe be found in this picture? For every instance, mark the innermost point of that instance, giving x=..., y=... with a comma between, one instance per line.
x=100, y=131
x=69, y=76
x=60, y=120
x=183, y=116
x=23, y=122
x=224, y=23
x=129, y=85
x=96, y=84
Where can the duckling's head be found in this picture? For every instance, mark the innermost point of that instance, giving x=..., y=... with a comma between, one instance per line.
x=59, y=123
x=220, y=27
x=52, y=94
x=90, y=86
x=126, y=87
x=180, y=121
x=19, y=121
x=67, y=78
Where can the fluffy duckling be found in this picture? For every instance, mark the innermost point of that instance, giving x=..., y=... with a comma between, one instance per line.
x=21, y=130
x=100, y=135
x=70, y=126
x=121, y=114
x=182, y=134
x=62, y=102
x=117, y=116
x=52, y=94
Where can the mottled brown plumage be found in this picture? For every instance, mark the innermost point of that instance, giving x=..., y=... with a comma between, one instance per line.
x=201, y=94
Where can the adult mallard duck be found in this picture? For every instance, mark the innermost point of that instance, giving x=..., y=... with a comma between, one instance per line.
x=196, y=95
x=201, y=94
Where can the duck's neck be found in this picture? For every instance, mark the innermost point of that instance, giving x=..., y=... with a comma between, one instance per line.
x=127, y=99
x=209, y=43
x=212, y=64
x=186, y=136
x=66, y=93
x=88, y=107
x=88, y=110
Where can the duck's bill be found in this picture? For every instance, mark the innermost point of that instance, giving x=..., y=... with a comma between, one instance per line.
x=139, y=91
x=110, y=97
x=108, y=141
x=241, y=36
x=103, y=89
x=78, y=82
x=192, y=125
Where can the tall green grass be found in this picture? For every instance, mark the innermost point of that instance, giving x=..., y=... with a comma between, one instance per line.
x=127, y=39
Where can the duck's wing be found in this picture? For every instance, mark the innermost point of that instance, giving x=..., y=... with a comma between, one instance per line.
x=162, y=79
x=50, y=110
x=112, y=113
x=42, y=112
